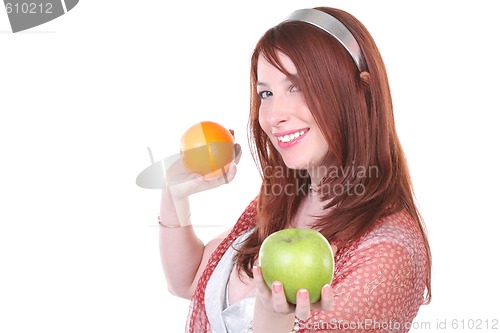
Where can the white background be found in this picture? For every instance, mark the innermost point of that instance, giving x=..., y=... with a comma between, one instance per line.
x=83, y=96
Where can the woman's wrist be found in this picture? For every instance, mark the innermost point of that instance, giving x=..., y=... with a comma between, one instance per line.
x=266, y=320
x=296, y=327
x=175, y=212
x=173, y=226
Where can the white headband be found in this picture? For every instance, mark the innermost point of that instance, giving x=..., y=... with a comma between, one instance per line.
x=335, y=28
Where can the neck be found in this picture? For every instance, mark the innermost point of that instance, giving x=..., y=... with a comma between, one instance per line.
x=309, y=210
x=316, y=173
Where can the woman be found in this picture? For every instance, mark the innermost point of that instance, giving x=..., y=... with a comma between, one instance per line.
x=323, y=134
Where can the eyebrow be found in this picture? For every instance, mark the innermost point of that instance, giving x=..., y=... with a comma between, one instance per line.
x=285, y=80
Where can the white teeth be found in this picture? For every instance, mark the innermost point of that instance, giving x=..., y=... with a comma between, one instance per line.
x=290, y=137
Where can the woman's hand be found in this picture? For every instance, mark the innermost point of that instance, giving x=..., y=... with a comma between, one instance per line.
x=274, y=299
x=182, y=183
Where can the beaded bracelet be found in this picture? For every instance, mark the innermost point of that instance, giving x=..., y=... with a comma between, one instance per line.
x=161, y=224
x=296, y=326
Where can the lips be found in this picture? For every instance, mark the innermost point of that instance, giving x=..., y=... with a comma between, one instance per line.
x=290, y=138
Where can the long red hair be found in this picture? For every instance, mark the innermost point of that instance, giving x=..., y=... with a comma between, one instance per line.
x=367, y=176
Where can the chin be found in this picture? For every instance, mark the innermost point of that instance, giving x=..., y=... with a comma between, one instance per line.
x=295, y=165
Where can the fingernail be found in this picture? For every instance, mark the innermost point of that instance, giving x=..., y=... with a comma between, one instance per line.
x=327, y=289
x=303, y=294
x=276, y=287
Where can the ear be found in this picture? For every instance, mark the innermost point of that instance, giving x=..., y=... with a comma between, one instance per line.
x=365, y=76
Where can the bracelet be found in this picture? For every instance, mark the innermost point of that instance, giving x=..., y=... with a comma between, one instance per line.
x=296, y=326
x=161, y=224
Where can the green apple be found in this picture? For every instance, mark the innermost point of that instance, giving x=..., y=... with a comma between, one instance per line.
x=299, y=259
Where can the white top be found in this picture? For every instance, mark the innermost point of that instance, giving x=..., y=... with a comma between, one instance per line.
x=225, y=317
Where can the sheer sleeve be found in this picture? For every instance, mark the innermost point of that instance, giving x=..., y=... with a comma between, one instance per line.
x=376, y=289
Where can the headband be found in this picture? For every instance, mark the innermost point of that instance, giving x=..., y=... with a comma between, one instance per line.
x=335, y=28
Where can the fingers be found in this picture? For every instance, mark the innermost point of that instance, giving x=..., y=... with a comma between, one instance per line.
x=280, y=303
x=327, y=299
x=237, y=153
x=223, y=175
x=276, y=301
x=262, y=288
x=182, y=183
x=303, y=308
x=219, y=177
x=237, y=149
x=273, y=298
x=230, y=170
x=226, y=174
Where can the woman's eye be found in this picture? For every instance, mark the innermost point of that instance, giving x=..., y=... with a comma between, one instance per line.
x=294, y=89
x=265, y=94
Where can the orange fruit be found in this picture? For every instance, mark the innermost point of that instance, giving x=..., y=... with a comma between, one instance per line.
x=207, y=147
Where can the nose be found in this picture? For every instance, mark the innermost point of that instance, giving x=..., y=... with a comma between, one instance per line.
x=278, y=112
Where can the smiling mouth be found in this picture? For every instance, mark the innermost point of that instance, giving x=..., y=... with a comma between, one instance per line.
x=291, y=136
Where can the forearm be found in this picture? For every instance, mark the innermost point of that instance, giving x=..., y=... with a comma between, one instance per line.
x=183, y=254
x=181, y=251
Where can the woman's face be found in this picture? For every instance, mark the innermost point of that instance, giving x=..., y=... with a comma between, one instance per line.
x=285, y=117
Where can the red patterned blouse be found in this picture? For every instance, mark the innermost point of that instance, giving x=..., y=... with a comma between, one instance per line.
x=379, y=280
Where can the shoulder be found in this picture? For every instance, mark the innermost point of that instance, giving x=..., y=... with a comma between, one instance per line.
x=398, y=230
x=393, y=245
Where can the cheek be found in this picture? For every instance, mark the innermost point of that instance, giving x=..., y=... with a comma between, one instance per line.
x=262, y=121
x=324, y=146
